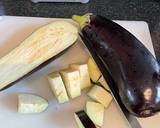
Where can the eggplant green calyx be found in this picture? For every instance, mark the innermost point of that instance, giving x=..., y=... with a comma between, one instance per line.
x=82, y=20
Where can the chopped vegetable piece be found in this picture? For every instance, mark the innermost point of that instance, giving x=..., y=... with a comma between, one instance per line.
x=84, y=75
x=58, y=87
x=95, y=111
x=94, y=72
x=29, y=103
x=83, y=121
x=71, y=78
x=100, y=95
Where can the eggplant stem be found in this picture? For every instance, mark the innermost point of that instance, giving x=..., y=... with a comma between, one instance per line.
x=82, y=20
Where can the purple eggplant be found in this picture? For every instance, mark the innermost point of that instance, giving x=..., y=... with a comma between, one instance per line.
x=134, y=69
x=83, y=120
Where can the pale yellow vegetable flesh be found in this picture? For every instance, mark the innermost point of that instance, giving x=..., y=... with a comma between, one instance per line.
x=100, y=95
x=58, y=87
x=29, y=104
x=84, y=74
x=103, y=83
x=95, y=111
x=43, y=44
x=94, y=72
x=71, y=78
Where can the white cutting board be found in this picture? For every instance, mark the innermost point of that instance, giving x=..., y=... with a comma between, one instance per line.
x=14, y=30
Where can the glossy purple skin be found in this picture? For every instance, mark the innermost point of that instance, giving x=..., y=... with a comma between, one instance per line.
x=133, y=68
x=86, y=121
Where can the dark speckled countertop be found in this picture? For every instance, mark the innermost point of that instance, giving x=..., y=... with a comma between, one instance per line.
x=145, y=10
